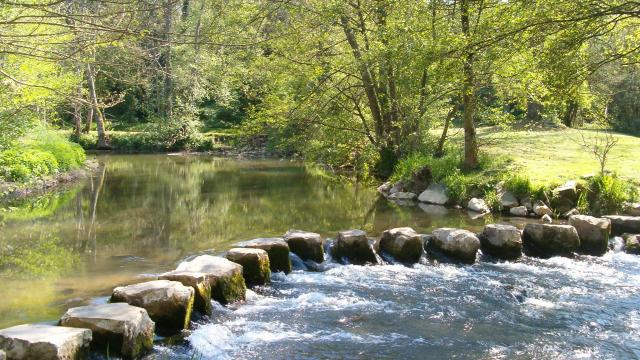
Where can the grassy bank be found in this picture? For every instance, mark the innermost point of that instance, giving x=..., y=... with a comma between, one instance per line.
x=42, y=160
x=531, y=164
x=556, y=155
x=153, y=141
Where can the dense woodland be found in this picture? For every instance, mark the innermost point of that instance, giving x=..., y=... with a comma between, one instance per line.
x=353, y=84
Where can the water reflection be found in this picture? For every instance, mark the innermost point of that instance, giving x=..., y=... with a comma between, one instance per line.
x=140, y=214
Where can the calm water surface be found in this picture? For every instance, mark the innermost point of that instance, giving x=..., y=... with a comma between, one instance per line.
x=142, y=214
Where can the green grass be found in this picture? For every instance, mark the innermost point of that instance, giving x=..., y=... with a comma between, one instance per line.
x=553, y=156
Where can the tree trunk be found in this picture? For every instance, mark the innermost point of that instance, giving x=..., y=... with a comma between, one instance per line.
x=168, y=71
x=443, y=137
x=367, y=79
x=103, y=137
x=77, y=107
x=569, y=117
x=469, y=100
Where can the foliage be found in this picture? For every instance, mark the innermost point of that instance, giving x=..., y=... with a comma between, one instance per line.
x=43, y=154
x=607, y=194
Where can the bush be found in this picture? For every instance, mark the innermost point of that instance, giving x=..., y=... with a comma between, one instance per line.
x=519, y=185
x=24, y=164
x=43, y=154
x=607, y=194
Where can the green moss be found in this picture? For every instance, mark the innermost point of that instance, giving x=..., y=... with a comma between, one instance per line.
x=227, y=289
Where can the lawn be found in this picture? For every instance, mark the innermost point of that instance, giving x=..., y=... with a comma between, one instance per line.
x=556, y=155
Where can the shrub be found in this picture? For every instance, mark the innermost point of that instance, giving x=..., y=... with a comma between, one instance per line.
x=606, y=194
x=493, y=200
x=24, y=164
x=519, y=185
x=69, y=155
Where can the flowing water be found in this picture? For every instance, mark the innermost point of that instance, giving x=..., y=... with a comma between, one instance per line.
x=140, y=215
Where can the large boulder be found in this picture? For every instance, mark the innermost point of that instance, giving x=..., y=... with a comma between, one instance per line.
x=593, y=232
x=434, y=194
x=622, y=224
x=255, y=265
x=456, y=244
x=545, y=241
x=353, y=246
x=478, y=205
x=632, y=244
x=225, y=277
x=119, y=327
x=168, y=303
x=46, y=342
x=501, y=241
x=519, y=211
x=307, y=245
x=199, y=282
x=277, y=249
x=404, y=244
x=565, y=197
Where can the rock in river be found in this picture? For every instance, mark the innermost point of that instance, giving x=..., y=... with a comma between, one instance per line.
x=501, y=241
x=354, y=247
x=168, y=303
x=277, y=249
x=307, y=245
x=621, y=224
x=457, y=244
x=120, y=327
x=593, y=232
x=545, y=240
x=434, y=194
x=519, y=211
x=225, y=277
x=199, y=282
x=255, y=265
x=46, y=342
x=404, y=244
x=632, y=244
x=478, y=205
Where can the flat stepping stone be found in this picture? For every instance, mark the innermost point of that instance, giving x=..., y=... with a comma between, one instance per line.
x=307, y=245
x=225, y=277
x=46, y=342
x=354, y=247
x=277, y=249
x=404, y=244
x=255, y=265
x=168, y=303
x=454, y=244
x=199, y=282
x=545, y=241
x=119, y=327
x=501, y=241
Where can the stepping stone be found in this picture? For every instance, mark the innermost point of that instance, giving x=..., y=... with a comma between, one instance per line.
x=255, y=265
x=354, y=247
x=120, y=327
x=307, y=245
x=199, y=282
x=621, y=224
x=594, y=234
x=46, y=342
x=225, y=277
x=501, y=241
x=545, y=241
x=404, y=244
x=455, y=244
x=277, y=249
x=168, y=303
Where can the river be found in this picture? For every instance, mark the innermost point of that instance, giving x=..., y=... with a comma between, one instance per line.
x=140, y=215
